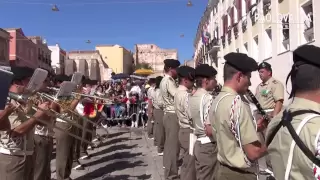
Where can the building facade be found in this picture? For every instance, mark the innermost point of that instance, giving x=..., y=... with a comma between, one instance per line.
x=22, y=51
x=43, y=53
x=189, y=63
x=90, y=63
x=58, y=57
x=154, y=55
x=118, y=58
x=266, y=30
x=4, y=47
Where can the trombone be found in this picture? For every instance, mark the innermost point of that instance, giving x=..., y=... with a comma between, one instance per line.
x=50, y=112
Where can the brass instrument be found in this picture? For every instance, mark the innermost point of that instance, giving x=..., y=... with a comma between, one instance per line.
x=29, y=100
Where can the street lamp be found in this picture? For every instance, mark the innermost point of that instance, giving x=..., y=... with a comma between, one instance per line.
x=189, y=4
x=55, y=8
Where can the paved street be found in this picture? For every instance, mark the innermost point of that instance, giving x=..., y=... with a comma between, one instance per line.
x=126, y=155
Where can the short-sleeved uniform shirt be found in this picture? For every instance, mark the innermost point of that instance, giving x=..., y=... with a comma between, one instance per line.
x=194, y=108
x=18, y=144
x=180, y=100
x=279, y=148
x=168, y=89
x=269, y=93
x=229, y=151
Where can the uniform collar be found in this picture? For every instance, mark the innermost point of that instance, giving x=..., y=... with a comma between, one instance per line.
x=301, y=103
x=228, y=90
x=268, y=81
x=181, y=87
x=202, y=90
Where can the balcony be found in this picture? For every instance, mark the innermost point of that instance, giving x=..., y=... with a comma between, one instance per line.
x=253, y=16
x=266, y=8
x=244, y=25
x=236, y=31
x=223, y=40
x=229, y=33
x=214, y=46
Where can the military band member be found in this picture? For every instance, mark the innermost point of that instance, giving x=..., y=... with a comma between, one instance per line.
x=186, y=76
x=205, y=148
x=158, y=113
x=150, y=109
x=16, y=140
x=270, y=92
x=43, y=144
x=288, y=160
x=168, y=89
x=64, y=142
x=239, y=146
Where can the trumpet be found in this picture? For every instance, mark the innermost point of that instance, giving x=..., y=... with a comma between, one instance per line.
x=24, y=99
x=85, y=95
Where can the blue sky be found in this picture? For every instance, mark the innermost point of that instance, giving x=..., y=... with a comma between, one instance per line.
x=123, y=22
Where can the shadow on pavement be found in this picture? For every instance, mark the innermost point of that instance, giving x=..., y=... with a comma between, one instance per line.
x=127, y=177
x=103, y=172
x=118, y=155
x=112, y=149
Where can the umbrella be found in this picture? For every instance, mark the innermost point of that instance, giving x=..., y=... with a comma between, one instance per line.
x=120, y=76
x=145, y=72
x=138, y=77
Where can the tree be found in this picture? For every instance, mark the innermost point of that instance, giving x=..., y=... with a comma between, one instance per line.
x=142, y=65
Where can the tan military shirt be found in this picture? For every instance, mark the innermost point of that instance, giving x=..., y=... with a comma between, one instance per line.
x=180, y=100
x=229, y=151
x=194, y=108
x=168, y=89
x=157, y=99
x=21, y=145
x=269, y=92
x=279, y=148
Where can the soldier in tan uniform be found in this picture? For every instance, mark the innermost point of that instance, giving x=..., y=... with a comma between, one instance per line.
x=270, y=95
x=186, y=77
x=158, y=113
x=168, y=89
x=205, y=148
x=239, y=146
x=270, y=92
x=16, y=140
x=289, y=159
x=150, y=125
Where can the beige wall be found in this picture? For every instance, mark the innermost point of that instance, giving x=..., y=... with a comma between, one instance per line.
x=154, y=55
x=118, y=58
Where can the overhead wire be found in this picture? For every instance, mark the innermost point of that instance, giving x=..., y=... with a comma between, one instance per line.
x=89, y=3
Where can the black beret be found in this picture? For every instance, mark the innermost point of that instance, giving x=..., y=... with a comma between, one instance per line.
x=308, y=54
x=172, y=63
x=186, y=72
x=21, y=73
x=241, y=62
x=265, y=65
x=204, y=70
x=159, y=79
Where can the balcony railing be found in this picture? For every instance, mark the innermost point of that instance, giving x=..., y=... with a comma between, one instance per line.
x=266, y=8
x=244, y=25
x=236, y=31
x=229, y=36
x=223, y=40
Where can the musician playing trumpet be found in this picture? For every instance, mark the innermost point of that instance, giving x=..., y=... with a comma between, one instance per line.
x=43, y=141
x=16, y=138
x=64, y=142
